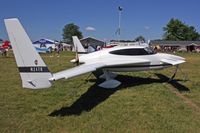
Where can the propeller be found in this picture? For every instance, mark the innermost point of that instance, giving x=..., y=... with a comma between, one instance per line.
x=148, y=42
x=77, y=58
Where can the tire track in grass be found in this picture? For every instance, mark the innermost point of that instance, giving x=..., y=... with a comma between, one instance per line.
x=186, y=100
x=175, y=87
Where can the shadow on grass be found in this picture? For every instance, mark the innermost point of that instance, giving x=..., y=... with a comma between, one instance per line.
x=174, y=83
x=96, y=95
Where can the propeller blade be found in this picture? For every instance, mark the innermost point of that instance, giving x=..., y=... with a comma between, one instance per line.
x=77, y=57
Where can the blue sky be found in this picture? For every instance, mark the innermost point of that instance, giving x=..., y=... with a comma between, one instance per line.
x=46, y=18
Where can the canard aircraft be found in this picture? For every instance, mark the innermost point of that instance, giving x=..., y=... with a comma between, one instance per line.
x=36, y=75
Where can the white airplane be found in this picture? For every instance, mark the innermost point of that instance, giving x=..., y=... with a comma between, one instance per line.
x=35, y=74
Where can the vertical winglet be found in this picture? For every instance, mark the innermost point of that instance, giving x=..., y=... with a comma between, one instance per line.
x=77, y=44
x=33, y=71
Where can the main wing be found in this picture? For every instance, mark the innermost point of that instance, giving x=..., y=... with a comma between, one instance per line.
x=82, y=69
x=91, y=67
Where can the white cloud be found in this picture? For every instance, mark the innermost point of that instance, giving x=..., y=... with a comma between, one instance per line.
x=146, y=27
x=89, y=28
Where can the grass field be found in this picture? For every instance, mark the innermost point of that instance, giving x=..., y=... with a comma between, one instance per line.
x=145, y=102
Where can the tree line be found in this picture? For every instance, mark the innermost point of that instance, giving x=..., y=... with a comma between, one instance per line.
x=175, y=30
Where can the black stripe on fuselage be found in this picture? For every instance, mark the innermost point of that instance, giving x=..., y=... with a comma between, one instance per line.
x=82, y=53
x=137, y=66
x=33, y=69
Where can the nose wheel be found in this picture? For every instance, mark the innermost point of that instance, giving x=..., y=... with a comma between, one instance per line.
x=172, y=77
x=175, y=72
x=110, y=82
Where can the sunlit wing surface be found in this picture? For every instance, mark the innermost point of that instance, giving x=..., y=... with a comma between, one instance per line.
x=85, y=68
x=172, y=61
x=90, y=67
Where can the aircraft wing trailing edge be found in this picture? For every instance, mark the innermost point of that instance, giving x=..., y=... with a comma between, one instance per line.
x=82, y=69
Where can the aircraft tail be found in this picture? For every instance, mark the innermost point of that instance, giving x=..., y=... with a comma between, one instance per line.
x=33, y=71
x=78, y=46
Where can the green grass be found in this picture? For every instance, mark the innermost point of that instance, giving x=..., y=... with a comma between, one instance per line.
x=143, y=103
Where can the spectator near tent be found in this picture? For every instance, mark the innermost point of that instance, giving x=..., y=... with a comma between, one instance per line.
x=189, y=46
x=4, y=47
x=59, y=48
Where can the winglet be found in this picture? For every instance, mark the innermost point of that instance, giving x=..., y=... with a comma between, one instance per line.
x=33, y=71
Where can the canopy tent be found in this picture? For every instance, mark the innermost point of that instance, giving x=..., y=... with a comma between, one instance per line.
x=45, y=45
x=44, y=41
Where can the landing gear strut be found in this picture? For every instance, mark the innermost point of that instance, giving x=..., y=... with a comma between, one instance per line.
x=173, y=74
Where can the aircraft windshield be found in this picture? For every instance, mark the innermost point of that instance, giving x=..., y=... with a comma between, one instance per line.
x=133, y=51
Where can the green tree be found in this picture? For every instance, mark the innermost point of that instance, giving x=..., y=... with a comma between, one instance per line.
x=140, y=39
x=71, y=30
x=179, y=31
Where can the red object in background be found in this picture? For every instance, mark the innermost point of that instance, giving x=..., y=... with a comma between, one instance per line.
x=110, y=46
x=5, y=45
